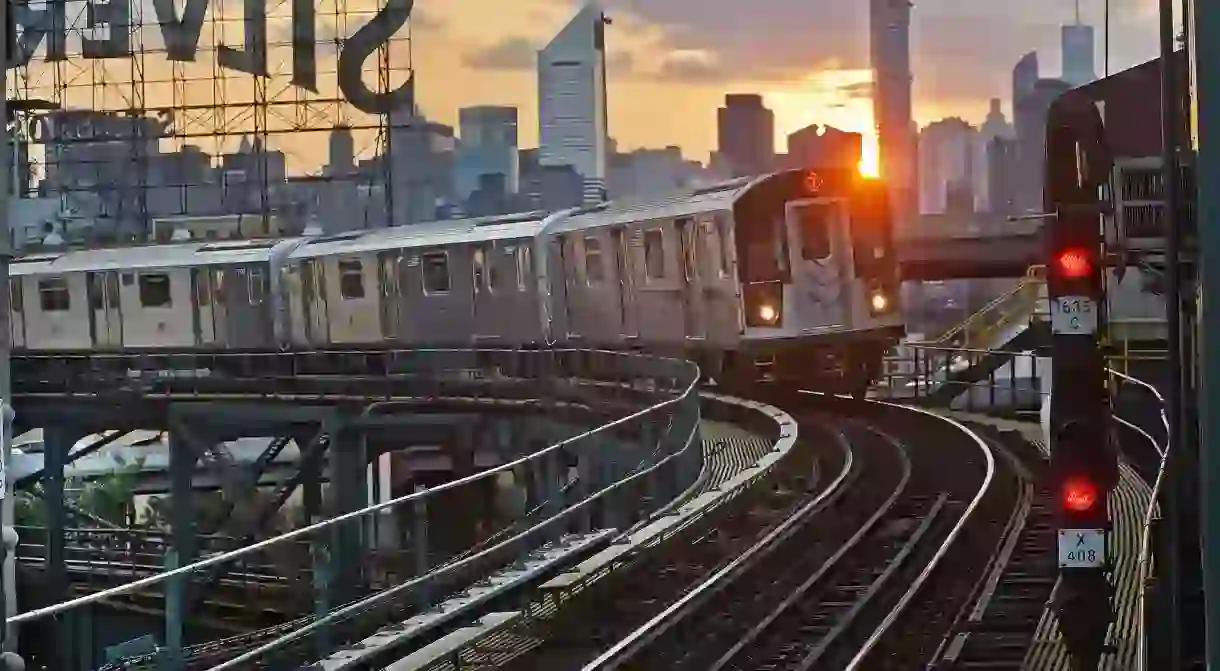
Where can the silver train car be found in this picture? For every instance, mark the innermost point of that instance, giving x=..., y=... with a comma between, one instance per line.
x=788, y=274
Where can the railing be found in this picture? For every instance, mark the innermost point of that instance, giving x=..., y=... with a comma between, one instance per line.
x=1145, y=556
x=968, y=379
x=1004, y=310
x=612, y=477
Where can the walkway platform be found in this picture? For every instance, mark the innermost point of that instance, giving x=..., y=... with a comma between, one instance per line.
x=1127, y=506
x=732, y=458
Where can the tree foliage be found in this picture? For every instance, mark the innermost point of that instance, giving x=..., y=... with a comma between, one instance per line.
x=110, y=497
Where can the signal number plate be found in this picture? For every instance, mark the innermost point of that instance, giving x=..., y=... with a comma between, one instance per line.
x=1082, y=548
x=1071, y=315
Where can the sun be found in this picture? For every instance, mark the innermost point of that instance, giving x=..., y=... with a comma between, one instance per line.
x=820, y=99
x=870, y=155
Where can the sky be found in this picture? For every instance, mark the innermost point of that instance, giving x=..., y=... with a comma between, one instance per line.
x=671, y=61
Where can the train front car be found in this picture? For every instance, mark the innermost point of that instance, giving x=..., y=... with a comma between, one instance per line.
x=819, y=279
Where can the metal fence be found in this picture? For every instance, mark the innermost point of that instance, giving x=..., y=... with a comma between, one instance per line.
x=611, y=477
x=970, y=380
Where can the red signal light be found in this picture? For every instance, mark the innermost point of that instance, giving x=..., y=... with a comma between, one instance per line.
x=1080, y=494
x=1074, y=263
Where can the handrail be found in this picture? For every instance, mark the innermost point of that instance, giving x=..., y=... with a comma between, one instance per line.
x=1145, y=558
x=55, y=609
x=356, y=606
x=1031, y=279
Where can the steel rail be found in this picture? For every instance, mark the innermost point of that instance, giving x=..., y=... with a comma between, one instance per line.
x=1145, y=558
x=55, y=609
x=988, y=479
x=661, y=622
x=450, y=568
x=829, y=565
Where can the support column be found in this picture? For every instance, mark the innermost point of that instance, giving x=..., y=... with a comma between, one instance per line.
x=1206, y=63
x=182, y=459
x=347, y=463
x=57, y=443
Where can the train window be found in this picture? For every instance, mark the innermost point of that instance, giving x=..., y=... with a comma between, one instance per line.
x=53, y=295
x=351, y=279
x=485, y=276
x=595, y=271
x=654, y=254
x=97, y=291
x=256, y=286
x=16, y=297
x=112, y=290
x=203, y=290
x=525, y=266
x=435, y=270
x=103, y=285
x=493, y=273
x=724, y=234
x=814, y=221
x=690, y=261
x=154, y=290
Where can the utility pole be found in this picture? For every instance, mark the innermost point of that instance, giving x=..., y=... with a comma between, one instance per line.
x=8, y=537
x=1084, y=462
x=1206, y=63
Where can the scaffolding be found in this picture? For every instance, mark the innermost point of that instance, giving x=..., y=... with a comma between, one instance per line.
x=171, y=110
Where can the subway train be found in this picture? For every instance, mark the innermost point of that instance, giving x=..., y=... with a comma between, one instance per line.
x=791, y=274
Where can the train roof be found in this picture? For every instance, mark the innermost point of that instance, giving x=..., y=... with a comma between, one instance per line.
x=187, y=254
x=714, y=198
x=427, y=234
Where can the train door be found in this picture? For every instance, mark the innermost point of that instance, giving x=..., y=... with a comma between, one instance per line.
x=391, y=294
x=820, y=294
x=107, y=317
x=628, y=313
x=16, y=320
x=246, y=314
x=692, y=290
x=314, y=299
x=205, y=321
x=219, y=278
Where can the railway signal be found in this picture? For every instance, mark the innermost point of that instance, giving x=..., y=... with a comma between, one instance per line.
x=1083, y=459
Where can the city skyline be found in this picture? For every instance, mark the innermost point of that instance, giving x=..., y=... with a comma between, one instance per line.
x=497, y=67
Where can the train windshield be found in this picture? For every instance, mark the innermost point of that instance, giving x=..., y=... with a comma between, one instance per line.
x=761, y=217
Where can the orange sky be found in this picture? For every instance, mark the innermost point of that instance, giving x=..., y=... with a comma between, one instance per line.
x=645, y=110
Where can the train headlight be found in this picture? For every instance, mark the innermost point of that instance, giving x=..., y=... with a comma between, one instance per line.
x=767, y=313
x=764, y=304
x=879, y=302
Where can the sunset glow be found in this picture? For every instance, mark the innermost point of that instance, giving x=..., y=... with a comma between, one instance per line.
x=870, y=155
x=831, y=98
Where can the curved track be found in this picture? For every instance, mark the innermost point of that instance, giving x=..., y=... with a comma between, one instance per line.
x=807, y=569
x=821, y=590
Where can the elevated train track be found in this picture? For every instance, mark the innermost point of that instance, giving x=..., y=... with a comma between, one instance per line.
x=851, y=550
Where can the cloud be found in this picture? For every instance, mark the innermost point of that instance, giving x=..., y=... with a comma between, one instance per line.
x=694, y=67
x=521, y=53
x=961, y=49
x=511, y=53
x=857, y=90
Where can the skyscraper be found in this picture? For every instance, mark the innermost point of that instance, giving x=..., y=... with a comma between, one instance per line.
x=745, y=130
x=946, y=163
x=572, y=100
x=994, y=126
x=1078, y=57
x=488, y=146
x=890, y=51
